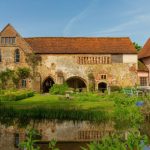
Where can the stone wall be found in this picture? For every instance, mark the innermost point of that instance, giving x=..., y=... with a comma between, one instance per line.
x=120, y=70
x=118, y=74
x=8, y=51
x=60, y=131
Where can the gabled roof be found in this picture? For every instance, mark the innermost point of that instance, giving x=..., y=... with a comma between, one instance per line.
x=142, y=66
x=145, y=52
x=81, y=45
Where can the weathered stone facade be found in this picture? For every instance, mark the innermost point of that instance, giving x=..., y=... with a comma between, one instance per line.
x=112, y=69
x=64, y=131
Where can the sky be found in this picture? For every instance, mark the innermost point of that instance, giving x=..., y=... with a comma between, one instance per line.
x=79, y=18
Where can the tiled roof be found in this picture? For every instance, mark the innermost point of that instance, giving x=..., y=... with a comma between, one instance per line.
x=142, y=66
x=81, y=45
x=145, y=52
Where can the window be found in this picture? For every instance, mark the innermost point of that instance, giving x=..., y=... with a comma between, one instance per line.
x=2, y=40
x=17, y=55
x=143, y=81
x=24, y=83
x=103, y=76
x=94, y=60
x=0, y=56
x=8, y=40
x=16, y=140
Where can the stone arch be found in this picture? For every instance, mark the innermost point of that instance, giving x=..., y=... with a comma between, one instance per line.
x=47, y=84
x=77, y=83
x=102, y=86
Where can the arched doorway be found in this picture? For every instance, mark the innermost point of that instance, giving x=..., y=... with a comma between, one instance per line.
x=102, y=86
x=76, y=83
x=47, y=84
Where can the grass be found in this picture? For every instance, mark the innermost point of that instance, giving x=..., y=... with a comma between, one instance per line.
x=93, y=107
x=81, y=102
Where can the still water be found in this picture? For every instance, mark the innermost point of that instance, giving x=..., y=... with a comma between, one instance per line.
x=66, y=145
x=145, y=129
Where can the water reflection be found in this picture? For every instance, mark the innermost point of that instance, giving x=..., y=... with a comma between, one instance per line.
x=65, y=145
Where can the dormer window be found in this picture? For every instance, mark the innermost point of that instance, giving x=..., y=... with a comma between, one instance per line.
x=8, y=40
x=17, y=56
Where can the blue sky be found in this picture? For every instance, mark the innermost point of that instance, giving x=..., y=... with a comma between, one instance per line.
x=102, y=18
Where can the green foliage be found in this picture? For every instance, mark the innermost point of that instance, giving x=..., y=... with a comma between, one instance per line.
x=23, y=73
x=15, y=95
x=33, y=60
x=117, y=142
x=23, y=116
x=136, y=141
x=5, y=78
x=91, y=82
x=137, y=46
x=126, y=114
x=52, y=145
x=10, y=78
x=115, y=88
x=30, y=143
x=59, y=89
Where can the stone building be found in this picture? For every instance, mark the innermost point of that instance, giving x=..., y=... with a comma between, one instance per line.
x=144, y=67
x=108, y=61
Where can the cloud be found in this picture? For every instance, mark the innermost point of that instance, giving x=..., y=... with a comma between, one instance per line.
x=78, y=17
x=125, y=27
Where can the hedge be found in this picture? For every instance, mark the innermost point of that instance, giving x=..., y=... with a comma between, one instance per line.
x=15, y=96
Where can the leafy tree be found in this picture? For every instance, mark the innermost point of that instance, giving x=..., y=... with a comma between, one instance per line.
x=137, y=46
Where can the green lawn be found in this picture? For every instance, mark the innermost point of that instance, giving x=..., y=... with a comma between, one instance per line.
x=80, y=101
x=93, y=107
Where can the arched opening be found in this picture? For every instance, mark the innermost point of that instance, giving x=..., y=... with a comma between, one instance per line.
x=102, y=86
x=76, y=83
x=47, y=84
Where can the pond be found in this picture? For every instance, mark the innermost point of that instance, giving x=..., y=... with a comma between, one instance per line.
x=65, y=145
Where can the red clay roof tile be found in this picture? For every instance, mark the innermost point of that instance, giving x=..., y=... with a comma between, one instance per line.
x=81, y=45
x=145, y=52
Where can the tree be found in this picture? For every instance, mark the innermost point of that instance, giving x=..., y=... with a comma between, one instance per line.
x=137, y=46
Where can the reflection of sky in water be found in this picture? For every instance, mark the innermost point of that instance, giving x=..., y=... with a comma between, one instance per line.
x=147, y=148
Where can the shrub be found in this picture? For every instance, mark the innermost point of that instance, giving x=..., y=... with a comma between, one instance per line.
x=115, y=88
x=15, y=95
x=59, y=89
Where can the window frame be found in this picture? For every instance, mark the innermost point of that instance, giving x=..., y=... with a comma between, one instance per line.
x=143, y=81
x=8, y=40
x=17, y=56
x=23, y=83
